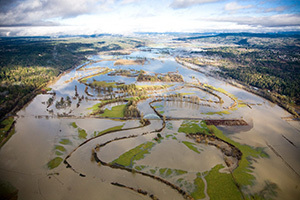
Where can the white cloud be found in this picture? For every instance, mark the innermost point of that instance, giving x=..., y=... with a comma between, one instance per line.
x=281, y=20
x=189, y=3
x=38, y=12
x=233, y=6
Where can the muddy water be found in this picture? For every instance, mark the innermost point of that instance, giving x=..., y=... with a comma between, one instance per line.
x=25, y=156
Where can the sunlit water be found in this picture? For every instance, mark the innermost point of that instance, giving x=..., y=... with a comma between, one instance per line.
x=25, y=156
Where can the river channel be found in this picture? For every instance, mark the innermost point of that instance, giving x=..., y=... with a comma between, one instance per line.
x=69, y=135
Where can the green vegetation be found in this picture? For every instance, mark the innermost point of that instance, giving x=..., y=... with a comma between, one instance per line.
x=18, y=85
x=58, y=153
x=153, y=87
x=167, y=172
x=28, y=64
x=81, y=133
x=96, y=83
x=179, y=171
x=271, y=65
x=221, y=185
x=54, y=162
x=115, y=128
x=242, y=174
x=158, y=106
x=192, y=126
x=162, y=171
x=140, y=167
x=198, y=192
x=74, y=125
x=169, y=77
x=127, y=159
x=226, y=112
x=102, y=85
x=153, y=171
x=61, y=148
x=6, y=130
x=65, y=142
x=116, y=111
x=191, y=146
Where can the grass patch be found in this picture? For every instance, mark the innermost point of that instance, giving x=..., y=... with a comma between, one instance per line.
x=127, y=159
x=84, y=79
x=116, y=111
x=65, y=142
x=5, y=125
x=153, y=87
x=242, y=173
x=167, y=172
x=198, y=192
x=60, y=148
x=191, y=146
x=185, y=93
x=58, y=153
x=226, y=112
x=81, y=133
x=221, y=185
x=158, y=106
x=102, y=84
x=162, y=171
x=179, y=171
x=115, y=128
x=153, y=171
x=193, y=126
x=74, y=125
x=54, y=162
x=140, y=167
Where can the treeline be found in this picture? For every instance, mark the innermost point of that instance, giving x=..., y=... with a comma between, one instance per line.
x=288, y=86
x=17, y=83
x=277, y=70
x=169, y=77
x=50, y=53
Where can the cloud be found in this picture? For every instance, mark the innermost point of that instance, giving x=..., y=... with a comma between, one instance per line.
x=281, y=20
x=177, y=4
x=42, y=12
x=277, y=9
x=233, y=6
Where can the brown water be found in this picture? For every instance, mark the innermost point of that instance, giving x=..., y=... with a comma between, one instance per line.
x=25, y=156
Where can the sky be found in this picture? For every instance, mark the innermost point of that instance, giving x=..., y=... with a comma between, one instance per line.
x=76, y=17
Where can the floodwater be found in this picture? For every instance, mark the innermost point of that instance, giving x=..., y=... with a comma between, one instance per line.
x=45, y=132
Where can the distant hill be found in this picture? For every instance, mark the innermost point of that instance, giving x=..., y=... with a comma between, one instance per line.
x=244, y=34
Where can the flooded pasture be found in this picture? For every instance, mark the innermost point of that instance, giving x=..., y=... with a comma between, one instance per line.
x=62, y=150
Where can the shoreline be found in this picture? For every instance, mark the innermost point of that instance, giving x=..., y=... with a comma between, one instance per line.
x=242, y=86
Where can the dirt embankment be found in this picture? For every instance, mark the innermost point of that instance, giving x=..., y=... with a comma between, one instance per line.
x=130, y=62
x=232, y=155
x=226, y=122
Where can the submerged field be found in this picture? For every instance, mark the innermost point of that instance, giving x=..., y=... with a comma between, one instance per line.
x=143, y=126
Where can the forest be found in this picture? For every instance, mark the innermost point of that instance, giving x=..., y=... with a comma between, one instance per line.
x=276, y=70
x=27, y=64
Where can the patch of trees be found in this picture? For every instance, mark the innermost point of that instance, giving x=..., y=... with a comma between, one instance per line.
x=63, y=103
x=131, y=109
x=18, y=82
x=169, y=77
x=277, y=70
x=289, y=86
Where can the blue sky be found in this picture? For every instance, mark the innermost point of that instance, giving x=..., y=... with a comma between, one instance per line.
x=55, y=17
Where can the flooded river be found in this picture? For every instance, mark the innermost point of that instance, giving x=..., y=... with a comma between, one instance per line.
x=48, y=136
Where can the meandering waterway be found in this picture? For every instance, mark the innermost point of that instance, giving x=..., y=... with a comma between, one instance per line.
x=45, y=133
